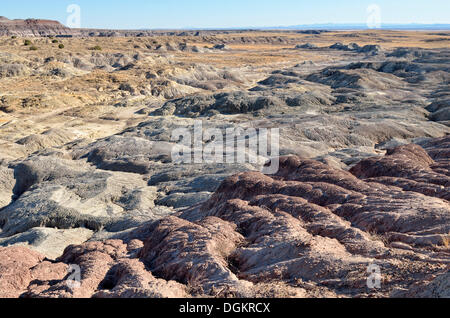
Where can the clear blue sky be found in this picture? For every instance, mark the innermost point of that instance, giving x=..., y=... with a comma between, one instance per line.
x=137, y=14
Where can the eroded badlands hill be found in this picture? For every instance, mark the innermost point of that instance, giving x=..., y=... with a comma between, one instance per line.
x=309, y=231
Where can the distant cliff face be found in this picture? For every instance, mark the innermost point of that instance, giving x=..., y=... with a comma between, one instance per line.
x=32, y=27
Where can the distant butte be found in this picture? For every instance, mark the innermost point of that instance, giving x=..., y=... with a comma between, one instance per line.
x=32, y=27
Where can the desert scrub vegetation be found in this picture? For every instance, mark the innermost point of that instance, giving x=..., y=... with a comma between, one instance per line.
x=14, y=37
x=33, y=48
x=96, y=48
x=27, y=42
x=61, y=46
x=55, y=41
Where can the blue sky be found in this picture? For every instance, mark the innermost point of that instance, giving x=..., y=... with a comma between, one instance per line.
x=137, y=14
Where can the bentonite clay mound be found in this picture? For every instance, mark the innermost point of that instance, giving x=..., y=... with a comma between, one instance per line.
x=308, y=231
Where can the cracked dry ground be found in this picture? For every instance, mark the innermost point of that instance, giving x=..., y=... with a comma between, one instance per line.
x=309, y=231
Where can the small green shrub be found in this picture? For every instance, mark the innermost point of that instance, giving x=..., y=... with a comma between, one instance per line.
x=61, y=46
x=14, y=37
x=96, y=48
x=27, y=42
x=33, y=48
x=55, y=41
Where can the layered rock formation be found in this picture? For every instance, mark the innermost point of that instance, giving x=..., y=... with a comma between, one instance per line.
x=32, y=27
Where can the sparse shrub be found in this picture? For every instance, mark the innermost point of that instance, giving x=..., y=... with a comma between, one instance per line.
x=96, y=48
x=14, y=37
x=33, y=48
x=61, y=46
x=55, y=41
x=27, y=42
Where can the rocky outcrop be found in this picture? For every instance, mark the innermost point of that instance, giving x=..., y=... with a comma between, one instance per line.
x=354, y=47
x=440, y=111
x=50, y=242
x=358, y=78
x=53, y=192
x=6, y=186
x=257, y=103
x=32, y=27
x=438, y=287
x=107, y=272
x=19, y=267
x=411, y=169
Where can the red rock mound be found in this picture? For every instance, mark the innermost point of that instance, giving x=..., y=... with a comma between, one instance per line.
x=19, y=266
x=411, y=168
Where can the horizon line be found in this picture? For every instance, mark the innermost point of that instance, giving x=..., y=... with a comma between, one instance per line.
x=311, y=26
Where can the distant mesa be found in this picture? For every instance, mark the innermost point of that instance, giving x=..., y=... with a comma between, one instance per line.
x=32, y=27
